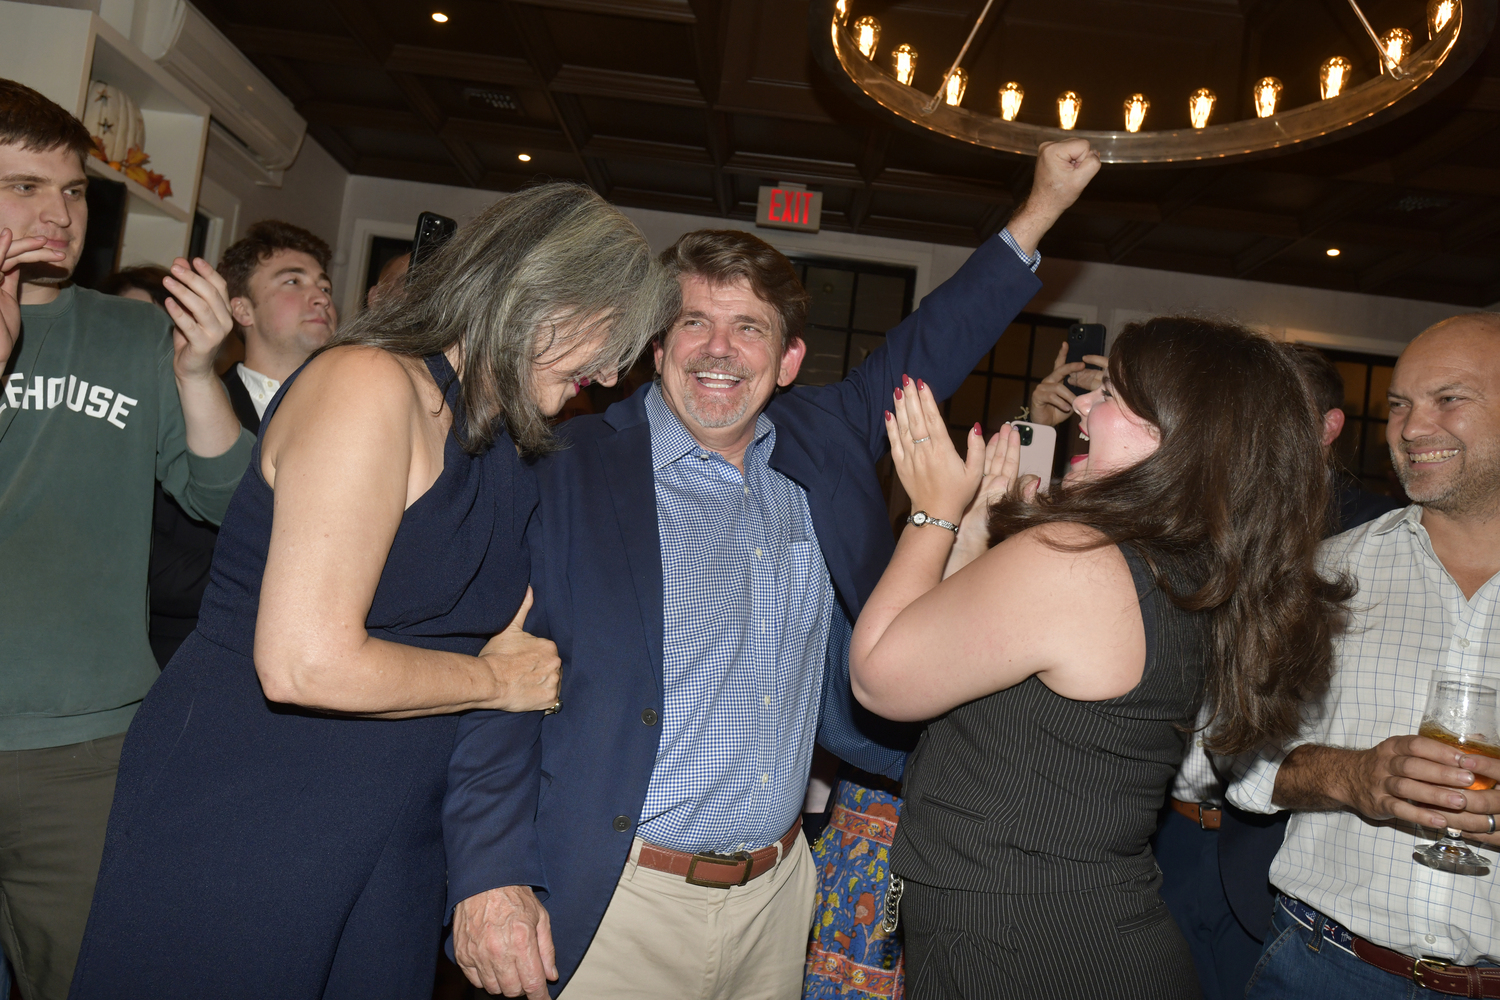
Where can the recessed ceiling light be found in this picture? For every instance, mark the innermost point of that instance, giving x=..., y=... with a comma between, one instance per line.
x=524, y=157
x=440, y=17
x=1333, y=251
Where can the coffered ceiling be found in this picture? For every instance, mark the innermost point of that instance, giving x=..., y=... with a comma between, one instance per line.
x=690, y=105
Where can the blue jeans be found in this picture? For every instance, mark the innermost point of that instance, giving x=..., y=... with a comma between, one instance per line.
x=1299, y=962
x=1223, y=952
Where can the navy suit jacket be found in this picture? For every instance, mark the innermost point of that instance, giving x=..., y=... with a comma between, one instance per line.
x=553, y=801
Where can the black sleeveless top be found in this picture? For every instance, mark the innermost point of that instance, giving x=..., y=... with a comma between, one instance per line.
x=1025, y=791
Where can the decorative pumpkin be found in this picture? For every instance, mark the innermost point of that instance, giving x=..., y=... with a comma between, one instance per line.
x=112, y=118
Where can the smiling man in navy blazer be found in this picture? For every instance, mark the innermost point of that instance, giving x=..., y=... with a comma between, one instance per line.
x=700, y=552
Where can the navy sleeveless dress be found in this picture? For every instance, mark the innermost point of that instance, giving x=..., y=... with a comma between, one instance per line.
x=263, y=851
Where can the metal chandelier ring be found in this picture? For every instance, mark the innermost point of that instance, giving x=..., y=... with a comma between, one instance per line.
x=1427, y=71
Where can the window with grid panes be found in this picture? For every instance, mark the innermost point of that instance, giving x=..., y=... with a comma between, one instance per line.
x=1000, y=385
x=1361, y=448
x=851, y=306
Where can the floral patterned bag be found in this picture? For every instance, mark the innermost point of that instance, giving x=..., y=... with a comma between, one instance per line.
x=850, y=956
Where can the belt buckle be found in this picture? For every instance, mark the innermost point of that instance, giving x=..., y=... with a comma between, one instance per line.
x=1421, y=966
x=738, y=857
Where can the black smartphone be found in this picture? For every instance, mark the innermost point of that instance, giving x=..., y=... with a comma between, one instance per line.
x=433, y=231
x=1084, y=338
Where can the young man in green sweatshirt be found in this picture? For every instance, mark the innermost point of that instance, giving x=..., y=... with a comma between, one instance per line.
x=100, y=397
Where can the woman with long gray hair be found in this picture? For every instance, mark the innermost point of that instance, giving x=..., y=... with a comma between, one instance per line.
x=276, y=828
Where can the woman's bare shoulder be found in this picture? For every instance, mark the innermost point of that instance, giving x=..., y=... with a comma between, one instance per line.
x=359, y=366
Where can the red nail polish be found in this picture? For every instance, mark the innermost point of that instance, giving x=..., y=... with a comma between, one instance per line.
x=887, y=414
x=920, y=385
x=906, y=380
x=978, y=430
x=898, y=393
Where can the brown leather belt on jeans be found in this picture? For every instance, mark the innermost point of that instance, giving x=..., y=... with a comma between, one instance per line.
x=1206, y=816
x=1431, y=974
x=718, y=871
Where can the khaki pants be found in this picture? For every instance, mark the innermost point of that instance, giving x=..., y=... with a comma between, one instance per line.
x=54, y=804
x=663, y=938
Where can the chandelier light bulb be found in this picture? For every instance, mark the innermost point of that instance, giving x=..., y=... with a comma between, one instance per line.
x=440, y=17
x=1267, y=93
x=953, y=90
x=867, y=36
x=524, y=157
x=1136, y=107
x=1396, y=43
x=841, y=10
x=1200, y=106
x=1333, y=75
x=904, y=62
x=1333, y=251
x=1068, y=106
x=1011, y=96
x=1439, y=13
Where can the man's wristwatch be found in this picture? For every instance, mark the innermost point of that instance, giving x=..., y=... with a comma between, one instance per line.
x=921, y=517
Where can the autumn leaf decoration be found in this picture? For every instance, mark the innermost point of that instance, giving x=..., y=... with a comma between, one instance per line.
x=134, y=167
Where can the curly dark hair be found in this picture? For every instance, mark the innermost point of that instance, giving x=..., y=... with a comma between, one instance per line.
x=1228, y=512
x=262, y=240
x=38, y=125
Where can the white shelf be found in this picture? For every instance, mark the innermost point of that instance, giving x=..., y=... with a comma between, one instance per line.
x=151, y=202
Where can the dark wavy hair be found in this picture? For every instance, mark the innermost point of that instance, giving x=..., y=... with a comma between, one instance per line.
x=263, y=239
x=1228, y=512
x=536, y=274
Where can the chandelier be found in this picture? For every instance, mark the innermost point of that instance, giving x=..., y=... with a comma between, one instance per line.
x=846, y=43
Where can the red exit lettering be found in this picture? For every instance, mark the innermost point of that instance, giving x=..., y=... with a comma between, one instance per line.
x=791, y=206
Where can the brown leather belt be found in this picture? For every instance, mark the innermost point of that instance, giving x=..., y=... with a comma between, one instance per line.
x=718, y=871
x=1431, y=974
x=1207, y=817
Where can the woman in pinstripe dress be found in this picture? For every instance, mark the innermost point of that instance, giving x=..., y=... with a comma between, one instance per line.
x=1064, y=667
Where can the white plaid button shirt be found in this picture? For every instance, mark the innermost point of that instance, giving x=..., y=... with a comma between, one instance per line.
x=1410, y=619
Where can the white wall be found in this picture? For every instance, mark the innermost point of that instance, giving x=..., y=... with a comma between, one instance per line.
x=1104, y=293
x=235, y=191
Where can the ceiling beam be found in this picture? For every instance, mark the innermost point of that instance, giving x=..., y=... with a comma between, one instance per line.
x=541, y=52
x=475, y=67
x=464, y=157
x=718, y=142
x=592, y=81
x=1188, y=189
x=675, y=11
x=1477, y=228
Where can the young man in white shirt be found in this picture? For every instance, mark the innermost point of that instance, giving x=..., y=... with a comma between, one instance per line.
x=1357, y=917
x=282, y=304
x=281, y=301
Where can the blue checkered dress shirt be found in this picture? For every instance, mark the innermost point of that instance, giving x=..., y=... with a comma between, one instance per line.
x=748, y=603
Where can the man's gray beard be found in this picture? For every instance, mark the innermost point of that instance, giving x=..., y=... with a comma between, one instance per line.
x=714, y=423
x=1475, y=490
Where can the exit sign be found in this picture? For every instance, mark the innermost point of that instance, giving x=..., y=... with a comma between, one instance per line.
x=789, y=206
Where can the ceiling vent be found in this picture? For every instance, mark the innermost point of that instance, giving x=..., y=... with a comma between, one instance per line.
x=493, y=98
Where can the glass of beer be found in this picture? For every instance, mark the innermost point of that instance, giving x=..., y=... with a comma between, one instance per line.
x=1461, y=713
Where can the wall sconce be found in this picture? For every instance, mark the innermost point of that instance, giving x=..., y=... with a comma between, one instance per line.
x=1200, y=106
x=1011, y=96
x=904, y=62
x=1396, y=43
x=1439, y=13
x=1267, y=93
x=1333, y=74
x=953, y=89
x=867, y=36
x=1136, y=107
x=1068, y=106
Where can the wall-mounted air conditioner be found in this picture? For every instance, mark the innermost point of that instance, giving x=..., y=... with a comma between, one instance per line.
x=243, y=101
